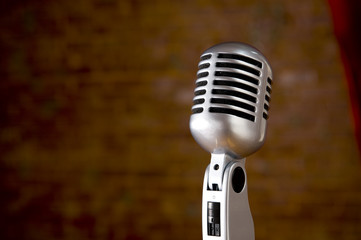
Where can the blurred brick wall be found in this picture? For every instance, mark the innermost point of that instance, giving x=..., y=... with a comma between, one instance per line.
x=95, y=97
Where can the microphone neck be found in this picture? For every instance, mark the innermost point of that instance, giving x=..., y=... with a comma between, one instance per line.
x=219, y=162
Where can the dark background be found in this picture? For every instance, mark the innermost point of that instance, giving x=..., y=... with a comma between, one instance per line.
x=95, y=98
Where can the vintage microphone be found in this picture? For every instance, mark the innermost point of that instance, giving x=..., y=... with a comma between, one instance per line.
x=229, y=119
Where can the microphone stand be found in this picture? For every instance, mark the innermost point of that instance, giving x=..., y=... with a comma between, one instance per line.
x=225, y=209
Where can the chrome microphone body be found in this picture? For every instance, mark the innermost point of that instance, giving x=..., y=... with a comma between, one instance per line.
x=229, y=119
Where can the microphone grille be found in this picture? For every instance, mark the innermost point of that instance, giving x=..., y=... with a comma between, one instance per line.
x=232, y=83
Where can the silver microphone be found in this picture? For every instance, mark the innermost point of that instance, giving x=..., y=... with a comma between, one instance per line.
x=229, y=119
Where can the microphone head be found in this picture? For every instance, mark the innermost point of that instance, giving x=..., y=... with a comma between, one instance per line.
x=231, y=102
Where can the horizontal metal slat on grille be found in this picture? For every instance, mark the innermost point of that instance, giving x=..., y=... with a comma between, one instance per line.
x=238, y=76
x=269, y=80
x=265, y=115
x=202, y=74
x=239, y=67
x=266, y=107
x=267, y=98
x=206, y=57
x=204, y=66
x=201, y=83
x=199, y=92
x=197, y=110
x=198, y=101
x=268, y=89
x=236, y=85
x=241, y=58
x=232, y=112
x=235, y=94
x=233, y=103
